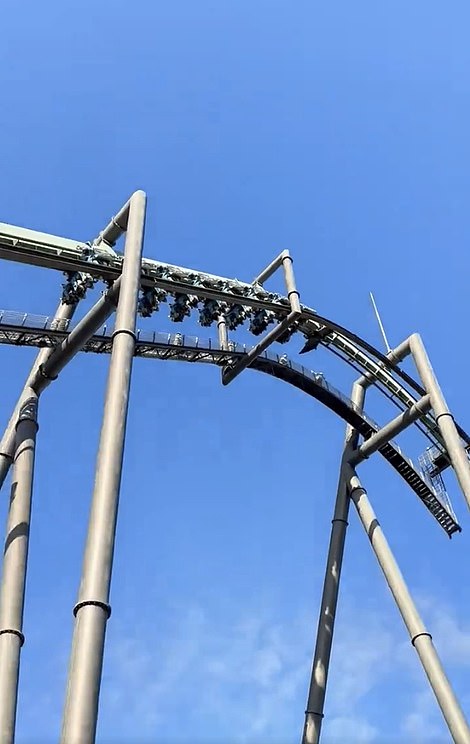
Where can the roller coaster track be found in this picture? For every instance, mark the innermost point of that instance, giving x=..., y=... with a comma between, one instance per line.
x=49, y=251
x=19, y=329
x=137, y=286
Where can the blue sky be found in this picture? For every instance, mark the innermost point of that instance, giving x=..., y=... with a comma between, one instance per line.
x=340, y=131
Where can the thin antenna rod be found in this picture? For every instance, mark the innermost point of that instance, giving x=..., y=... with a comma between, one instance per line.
x=379, y=321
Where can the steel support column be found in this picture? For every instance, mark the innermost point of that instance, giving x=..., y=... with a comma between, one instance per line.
x=326, y=621
x=64, y=352
x=420, y=637
x=444, y=418
x=7, y=443
x=109, y=235
x=390, y=430
x=15, y=559
x=222, y=333
x=92, y=610
x=230, y=371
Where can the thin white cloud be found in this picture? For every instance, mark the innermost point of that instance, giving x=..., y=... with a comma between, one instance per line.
x=252, y=674
x=421, y=725
x=350, y=729
x=363, y=657
x=423, y=722
x=451, y=635
x=245, y=676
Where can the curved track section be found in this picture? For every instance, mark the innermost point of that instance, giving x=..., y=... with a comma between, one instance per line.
x=62, y=254
x=29, y=330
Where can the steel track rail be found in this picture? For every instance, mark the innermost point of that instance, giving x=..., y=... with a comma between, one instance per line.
x=48, y=251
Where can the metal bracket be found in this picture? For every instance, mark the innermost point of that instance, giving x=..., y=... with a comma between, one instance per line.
x=394, y=427
x=285, y=261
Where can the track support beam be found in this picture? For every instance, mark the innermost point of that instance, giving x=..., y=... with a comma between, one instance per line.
x=445, y=421
x=92, y=609
x=50, y=362
x=15, y=558
x=285, y=260
x=329, y=601
x=222, y=333
x=420, y=637
x=390, y=430
x=109, y=235
x=78, y=337
x=64, y=313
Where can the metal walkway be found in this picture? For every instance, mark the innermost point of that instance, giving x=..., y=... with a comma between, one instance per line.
x=20, y=329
